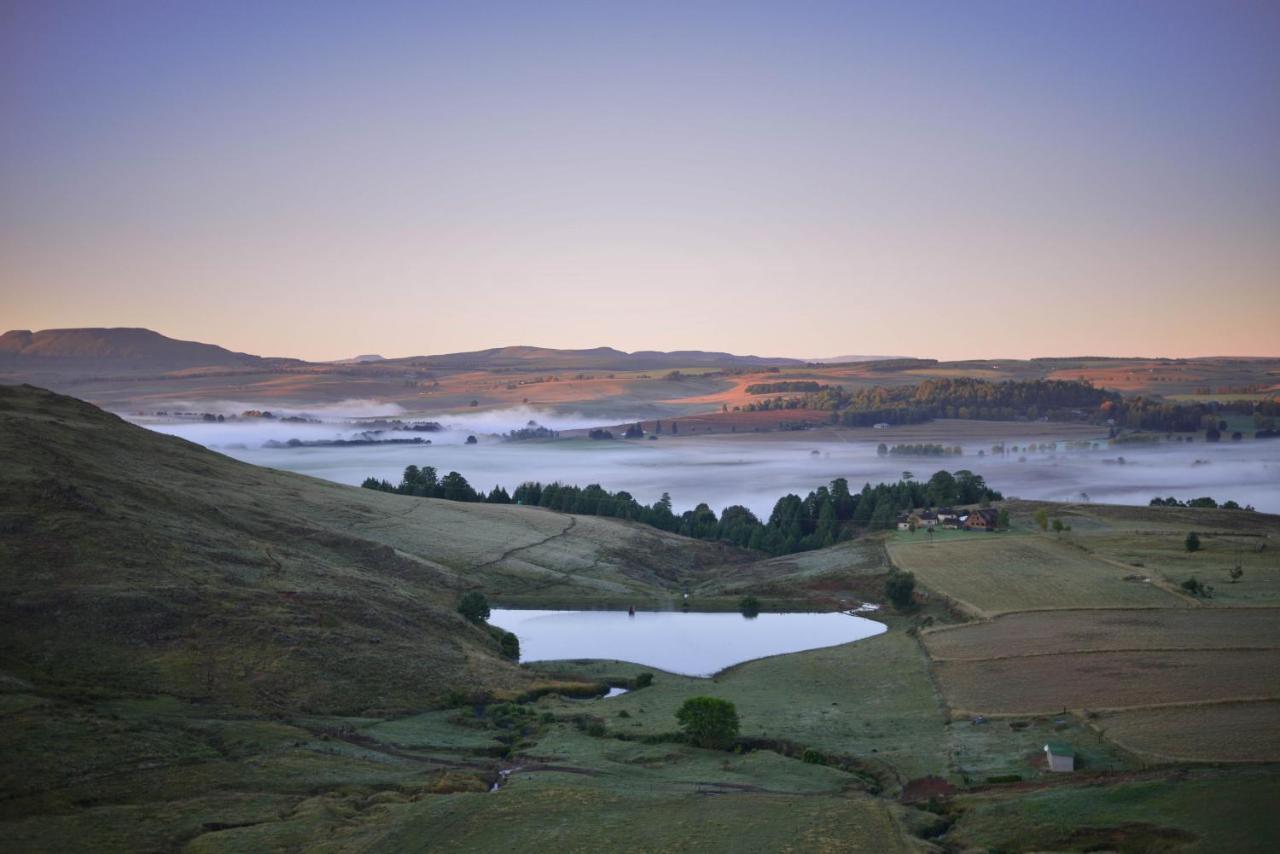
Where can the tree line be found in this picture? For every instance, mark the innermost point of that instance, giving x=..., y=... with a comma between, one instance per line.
x=825, y=516
x=1008, y=400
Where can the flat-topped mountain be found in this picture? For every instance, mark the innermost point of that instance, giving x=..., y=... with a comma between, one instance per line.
x=115, y=348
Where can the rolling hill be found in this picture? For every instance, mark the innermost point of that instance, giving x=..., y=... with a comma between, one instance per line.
x=132, y=562
x=108, y=350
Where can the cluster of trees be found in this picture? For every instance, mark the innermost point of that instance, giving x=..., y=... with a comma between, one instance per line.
x=1204, y=501
x=825, y=516
x=773, y=403
x=964, y=397
x=425, y=483
x=599, y=433
x=1007, y=400
x=919, y=450
x=1144, y=413
x=532, y=430
x=960, y=397
x=788, y=386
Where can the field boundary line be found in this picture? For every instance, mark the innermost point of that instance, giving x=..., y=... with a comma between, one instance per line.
x=1117, y=650
x=1084, y=711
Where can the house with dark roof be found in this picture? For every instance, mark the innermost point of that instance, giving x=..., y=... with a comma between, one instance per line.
x=982, y=519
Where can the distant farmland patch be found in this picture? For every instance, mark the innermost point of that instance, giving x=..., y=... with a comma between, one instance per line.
x=995, y=573
x=1045, y=684
x=1222, y=732
x=1039, y=633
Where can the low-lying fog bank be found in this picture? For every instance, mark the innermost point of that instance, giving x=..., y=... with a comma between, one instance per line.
x=722, y=471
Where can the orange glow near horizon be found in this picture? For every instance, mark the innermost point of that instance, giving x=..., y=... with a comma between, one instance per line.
x=888, y=180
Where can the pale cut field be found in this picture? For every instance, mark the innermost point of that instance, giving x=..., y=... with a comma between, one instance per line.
x=1046, y=684
x=1220, y=732
x=995, y=573
x=1045, y=633
x=1249, y=539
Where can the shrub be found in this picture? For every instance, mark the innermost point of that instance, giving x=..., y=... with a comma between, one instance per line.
x=642, y=680
x=474, y=606
x=749, y=606
x=1196, y=587
x=1192, y=542
x=708, y=721
x=900, y=589
x=510, y=646
x=812, y=757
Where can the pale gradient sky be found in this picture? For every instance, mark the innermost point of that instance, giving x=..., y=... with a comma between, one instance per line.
x=794, y=178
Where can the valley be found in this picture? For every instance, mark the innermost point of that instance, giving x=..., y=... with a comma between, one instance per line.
x=208, y=655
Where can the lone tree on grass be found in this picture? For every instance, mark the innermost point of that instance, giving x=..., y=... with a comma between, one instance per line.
x=474, y=606
x=1042, y=519
x=900, y=588
x=709, y=722
x=510, y=646
x=1192, y=542
x=1058, y=527
x=749, y=606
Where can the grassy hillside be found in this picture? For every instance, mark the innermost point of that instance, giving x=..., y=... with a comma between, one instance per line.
x=131, y=561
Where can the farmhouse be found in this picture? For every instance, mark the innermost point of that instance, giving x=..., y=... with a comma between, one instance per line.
x=1060, y=756
x=881, y=425
x=982, y=519
x=918, y=519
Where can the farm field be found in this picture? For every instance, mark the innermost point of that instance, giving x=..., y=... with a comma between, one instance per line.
x=1038, y=633
x=1044, y=684
x=1255, y=549
x=988, y=574
x=1181, y=811
x=1220, y=732
x=871, y=700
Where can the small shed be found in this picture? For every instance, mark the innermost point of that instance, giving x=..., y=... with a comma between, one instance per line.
x=1061, y=757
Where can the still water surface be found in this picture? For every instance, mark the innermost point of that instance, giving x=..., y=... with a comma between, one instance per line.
x=691, y=644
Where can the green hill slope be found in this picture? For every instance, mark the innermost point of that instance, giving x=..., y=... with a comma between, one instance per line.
x=132, y=562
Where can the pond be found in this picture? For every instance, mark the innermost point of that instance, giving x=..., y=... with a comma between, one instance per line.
x=691, y=644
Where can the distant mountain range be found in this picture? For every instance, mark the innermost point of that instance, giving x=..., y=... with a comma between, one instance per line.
x=597, y=358
x=131, y=350
x=844, y=360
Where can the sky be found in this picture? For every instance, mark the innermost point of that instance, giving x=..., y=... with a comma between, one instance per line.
x=954, y=180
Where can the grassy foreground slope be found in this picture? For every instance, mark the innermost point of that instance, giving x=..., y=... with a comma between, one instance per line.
x=135, y=562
